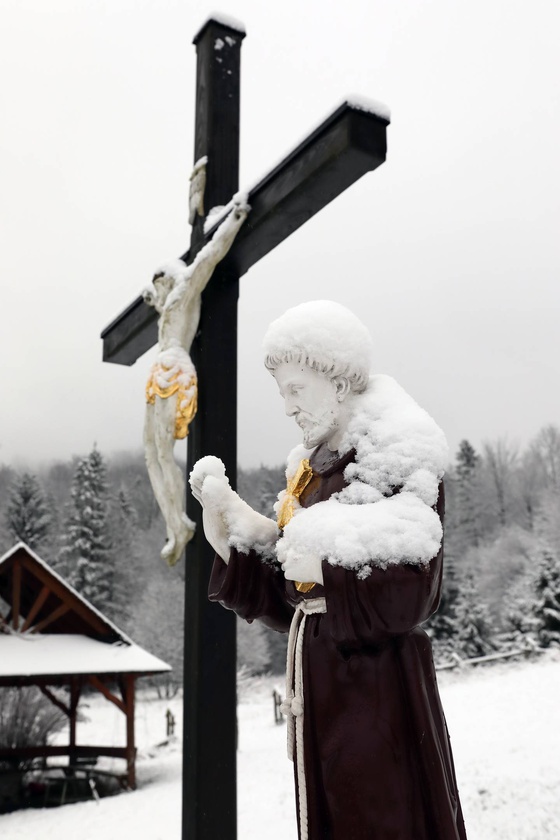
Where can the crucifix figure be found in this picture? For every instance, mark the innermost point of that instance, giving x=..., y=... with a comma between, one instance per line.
x=171, y=392
x=348, y=144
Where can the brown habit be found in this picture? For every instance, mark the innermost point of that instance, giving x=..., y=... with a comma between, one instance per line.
x=377, y=757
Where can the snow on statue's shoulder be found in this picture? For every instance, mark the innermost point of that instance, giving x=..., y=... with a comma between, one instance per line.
x=398, y=447
x=397, y=443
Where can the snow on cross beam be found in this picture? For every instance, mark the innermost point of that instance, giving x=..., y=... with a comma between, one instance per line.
x=349, y=143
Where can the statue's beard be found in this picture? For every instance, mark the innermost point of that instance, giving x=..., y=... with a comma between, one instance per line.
x=316, y=430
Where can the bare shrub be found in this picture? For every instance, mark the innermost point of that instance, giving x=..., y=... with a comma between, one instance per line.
x=27, y=719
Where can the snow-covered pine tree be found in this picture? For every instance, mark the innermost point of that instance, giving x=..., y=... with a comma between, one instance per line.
x=547, y=585
x=260, y=486
x=443, y=627
x=476, y=633
x=467, y=530
x=86, y=559
x=519, y=612
x=158, y=626
x=27, y=514
x=123, y=527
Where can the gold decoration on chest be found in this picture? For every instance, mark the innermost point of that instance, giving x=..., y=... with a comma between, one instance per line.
x=296, y=486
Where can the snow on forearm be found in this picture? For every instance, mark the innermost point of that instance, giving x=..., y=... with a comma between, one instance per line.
x=400, y=529
x=247, y=529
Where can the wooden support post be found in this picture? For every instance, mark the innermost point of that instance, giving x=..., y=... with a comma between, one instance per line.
x=75, y=690
x=130, y=744
x=16, y=594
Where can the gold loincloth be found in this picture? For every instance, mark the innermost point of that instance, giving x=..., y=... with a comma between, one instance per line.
x=295, y=488
x=186, y=396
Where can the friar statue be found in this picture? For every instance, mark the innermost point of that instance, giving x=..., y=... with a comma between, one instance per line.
x=171, y=392
x=350, y=569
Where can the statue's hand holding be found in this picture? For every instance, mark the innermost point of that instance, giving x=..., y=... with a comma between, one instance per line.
x=213, y=521
x=204, y=467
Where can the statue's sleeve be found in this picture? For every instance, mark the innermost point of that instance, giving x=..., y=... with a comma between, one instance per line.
x=252, y=588
x=388, y=603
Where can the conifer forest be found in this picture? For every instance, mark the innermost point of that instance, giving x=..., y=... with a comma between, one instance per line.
x=95, y=520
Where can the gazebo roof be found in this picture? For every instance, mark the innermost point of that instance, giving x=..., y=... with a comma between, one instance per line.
x=53, y=631
x=69, y=655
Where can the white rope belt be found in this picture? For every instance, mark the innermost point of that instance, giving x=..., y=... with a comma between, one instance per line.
x=293, y=704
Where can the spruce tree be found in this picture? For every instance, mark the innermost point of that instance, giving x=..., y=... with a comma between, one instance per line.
x=443, y=627
x=476, y=633
x=547, y=610
x=27, y=515
x=467, y=466
x=520, y=612
x=123, y=526
x=86, y=558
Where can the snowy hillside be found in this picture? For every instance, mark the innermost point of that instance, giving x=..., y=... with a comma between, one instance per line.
x=505, y=730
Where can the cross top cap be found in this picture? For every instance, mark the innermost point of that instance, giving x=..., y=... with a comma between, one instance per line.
x=224, y=21
x=324, y=335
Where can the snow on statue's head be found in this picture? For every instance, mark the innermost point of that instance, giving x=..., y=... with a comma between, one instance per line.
x=319, y=353
x=324, y=335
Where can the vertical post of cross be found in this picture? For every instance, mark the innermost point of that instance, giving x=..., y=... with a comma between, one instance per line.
x=210, y=719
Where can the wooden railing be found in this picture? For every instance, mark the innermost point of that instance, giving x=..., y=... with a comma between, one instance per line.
x=458, y=662
x=46, y=751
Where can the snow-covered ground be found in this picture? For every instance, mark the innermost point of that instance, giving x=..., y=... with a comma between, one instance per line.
x=505, y=730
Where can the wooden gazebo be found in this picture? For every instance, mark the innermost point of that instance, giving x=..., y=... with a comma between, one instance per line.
x=51, y=636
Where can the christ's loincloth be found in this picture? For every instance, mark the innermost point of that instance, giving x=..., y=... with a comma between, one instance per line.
x=166, y=382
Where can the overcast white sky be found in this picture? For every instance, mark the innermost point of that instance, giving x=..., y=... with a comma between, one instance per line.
x=449, y=252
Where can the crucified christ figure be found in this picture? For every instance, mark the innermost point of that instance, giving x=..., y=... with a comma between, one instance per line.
x=171, y=391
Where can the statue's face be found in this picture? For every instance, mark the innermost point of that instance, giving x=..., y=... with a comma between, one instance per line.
x=314, y=399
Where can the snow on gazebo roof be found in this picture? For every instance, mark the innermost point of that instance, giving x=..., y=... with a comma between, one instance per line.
x=58, y=654
x=80, y=639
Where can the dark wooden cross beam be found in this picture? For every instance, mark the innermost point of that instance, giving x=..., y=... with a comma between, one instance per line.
x=348, y=144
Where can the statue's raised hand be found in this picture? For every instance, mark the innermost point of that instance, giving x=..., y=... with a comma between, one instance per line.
x=204, y=467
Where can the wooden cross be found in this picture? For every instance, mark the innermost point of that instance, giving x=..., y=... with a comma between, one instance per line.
x=351, y=142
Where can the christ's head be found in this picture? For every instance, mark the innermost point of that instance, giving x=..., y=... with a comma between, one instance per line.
x=319, y=354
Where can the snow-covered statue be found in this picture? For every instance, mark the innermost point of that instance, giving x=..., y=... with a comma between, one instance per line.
x=351, y=569
x=171, y=391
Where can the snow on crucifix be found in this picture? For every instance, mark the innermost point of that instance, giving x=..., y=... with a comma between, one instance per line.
x=171, y=392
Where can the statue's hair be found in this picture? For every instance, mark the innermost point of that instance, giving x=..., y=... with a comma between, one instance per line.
x=358, y=379
x=325, y=336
